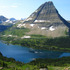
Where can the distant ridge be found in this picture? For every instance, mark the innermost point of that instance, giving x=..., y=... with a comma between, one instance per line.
x=2, y=19
x=12, y=19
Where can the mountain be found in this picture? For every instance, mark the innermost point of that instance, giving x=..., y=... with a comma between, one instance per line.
x=12, y=19
x=9, y=22
x=46, y=20
x=2, y=19
x=3, y=23
x=47, y=14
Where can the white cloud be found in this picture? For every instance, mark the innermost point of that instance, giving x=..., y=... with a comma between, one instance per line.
x=14, y=6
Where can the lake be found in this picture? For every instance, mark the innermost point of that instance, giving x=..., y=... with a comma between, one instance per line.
x=24, y=54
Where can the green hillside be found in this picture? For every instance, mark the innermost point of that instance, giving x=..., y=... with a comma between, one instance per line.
x=15, y=32
x=58, y=44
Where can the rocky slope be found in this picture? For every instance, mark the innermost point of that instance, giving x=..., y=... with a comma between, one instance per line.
x=47, y=21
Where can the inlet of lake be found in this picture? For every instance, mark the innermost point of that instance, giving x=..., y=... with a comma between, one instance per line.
x=24, y=54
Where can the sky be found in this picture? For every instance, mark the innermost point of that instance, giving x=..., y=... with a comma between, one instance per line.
x=24, y=8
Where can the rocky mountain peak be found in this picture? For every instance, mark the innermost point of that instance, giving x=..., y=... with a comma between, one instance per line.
x=47, y=18
x=49, y=2
x=46, y=13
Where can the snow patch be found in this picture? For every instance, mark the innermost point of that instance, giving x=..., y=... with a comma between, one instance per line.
x=51, y=28
x=8, y=21
x=42, y=28
x=41, y=21
x=25, y=37
x=32, y=25
x=10, y=35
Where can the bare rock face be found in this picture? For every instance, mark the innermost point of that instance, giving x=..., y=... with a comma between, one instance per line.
x=46, y=17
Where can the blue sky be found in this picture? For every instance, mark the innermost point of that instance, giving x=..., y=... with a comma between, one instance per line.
x=24, y=8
